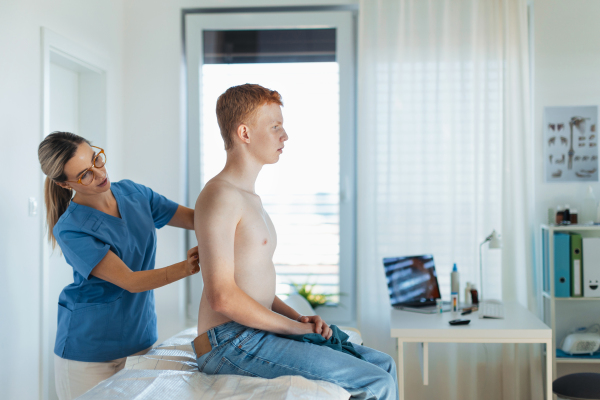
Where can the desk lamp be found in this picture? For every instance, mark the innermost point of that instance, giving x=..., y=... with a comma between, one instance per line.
x=495, y=243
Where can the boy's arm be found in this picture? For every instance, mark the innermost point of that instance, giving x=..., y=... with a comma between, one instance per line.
x=320, y=326
x=281, y=308
x=218, y=211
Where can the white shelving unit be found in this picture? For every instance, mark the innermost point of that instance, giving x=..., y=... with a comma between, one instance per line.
x=552, y=306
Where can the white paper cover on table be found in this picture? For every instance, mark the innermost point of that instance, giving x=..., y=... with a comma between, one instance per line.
x=164, y=385
x=174, y=354
x=183, y=338
x=353, y=336
x=165, y=360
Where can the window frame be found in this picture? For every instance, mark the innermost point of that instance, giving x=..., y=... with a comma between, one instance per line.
x=344, y=19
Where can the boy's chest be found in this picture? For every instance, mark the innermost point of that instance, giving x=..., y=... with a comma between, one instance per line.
x=256, y=230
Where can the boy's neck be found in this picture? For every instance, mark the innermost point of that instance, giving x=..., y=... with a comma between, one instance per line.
x=242, y=170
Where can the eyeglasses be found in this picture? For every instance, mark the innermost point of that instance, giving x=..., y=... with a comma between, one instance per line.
x=88, y=175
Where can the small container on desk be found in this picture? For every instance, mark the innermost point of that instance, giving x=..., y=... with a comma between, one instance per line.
x=439, y=304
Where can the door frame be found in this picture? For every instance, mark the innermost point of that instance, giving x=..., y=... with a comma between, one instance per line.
x=339, y=17
x=69, y=54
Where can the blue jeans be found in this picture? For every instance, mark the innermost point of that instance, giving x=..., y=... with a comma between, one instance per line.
x=239, y=350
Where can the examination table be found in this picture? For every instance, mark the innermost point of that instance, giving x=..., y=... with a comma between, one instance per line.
x=169, y=371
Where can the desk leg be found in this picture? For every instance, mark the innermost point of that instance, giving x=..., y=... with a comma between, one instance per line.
x=549, y=357
x=424, y=359
x=400, y=369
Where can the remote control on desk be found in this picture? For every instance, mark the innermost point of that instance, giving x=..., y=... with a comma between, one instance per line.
x=459, y=322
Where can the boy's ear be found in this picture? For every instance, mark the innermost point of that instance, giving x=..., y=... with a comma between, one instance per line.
x=243, y=132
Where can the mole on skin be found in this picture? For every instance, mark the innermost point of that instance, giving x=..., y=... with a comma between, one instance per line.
x=265, y=241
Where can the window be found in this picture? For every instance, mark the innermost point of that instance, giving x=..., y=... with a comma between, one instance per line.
x=308, y=193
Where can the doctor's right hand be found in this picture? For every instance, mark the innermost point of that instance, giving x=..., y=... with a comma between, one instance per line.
x=192, y=266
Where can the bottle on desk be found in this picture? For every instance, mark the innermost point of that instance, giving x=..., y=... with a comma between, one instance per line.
x=467, y=299
x=454, y=288
x=474, y=295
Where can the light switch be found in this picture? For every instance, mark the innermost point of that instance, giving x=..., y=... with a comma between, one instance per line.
x=32, y=206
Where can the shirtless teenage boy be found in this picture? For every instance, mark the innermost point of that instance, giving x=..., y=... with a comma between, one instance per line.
x=240, y=315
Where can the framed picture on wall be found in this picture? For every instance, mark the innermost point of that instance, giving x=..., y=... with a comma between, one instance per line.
x=571, y=144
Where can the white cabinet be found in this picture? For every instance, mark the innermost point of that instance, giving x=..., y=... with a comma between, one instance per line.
x=564, y=313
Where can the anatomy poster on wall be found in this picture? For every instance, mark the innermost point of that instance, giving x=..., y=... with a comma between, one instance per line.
x=571, y=144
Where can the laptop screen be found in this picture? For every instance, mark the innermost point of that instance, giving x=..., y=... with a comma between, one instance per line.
x=411, y=280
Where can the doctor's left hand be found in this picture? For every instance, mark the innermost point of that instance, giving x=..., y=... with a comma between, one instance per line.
x=192, y=266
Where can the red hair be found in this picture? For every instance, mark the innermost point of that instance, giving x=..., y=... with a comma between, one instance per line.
x=238, y=105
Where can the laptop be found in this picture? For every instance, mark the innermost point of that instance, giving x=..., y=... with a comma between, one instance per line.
x=412, y=283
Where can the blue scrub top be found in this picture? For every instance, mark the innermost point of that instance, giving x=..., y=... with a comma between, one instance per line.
x=97, y=320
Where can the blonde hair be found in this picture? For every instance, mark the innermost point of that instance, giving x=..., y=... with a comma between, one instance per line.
x=53, y=153
x=238, y=104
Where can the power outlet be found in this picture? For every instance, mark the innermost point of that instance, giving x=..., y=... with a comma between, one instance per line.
x=33, y=206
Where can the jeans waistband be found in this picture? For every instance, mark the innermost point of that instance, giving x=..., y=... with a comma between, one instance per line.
x=227, y=332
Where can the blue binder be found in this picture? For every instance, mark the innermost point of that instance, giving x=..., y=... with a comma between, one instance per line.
x=562, y=265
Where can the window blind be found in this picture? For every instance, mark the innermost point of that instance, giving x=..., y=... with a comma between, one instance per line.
x=439, y=181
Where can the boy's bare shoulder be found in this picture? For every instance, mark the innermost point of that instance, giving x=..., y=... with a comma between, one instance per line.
x=218, y=193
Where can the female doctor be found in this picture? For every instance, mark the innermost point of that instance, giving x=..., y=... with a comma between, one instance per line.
x=107, y=233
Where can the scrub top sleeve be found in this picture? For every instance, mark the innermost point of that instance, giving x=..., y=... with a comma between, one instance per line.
x=82, y=251
x=162, y=208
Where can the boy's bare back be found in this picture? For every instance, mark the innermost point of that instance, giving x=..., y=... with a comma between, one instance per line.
x=227, y=216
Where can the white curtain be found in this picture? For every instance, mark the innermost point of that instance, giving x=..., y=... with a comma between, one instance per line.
x=444, y=157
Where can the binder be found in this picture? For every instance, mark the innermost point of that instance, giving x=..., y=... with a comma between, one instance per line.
x=546, y=260
x=576, y=266
x=591, y=267
x=562, y=264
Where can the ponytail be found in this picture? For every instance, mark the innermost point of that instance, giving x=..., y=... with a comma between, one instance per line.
x=57, y=200
x=53, y=153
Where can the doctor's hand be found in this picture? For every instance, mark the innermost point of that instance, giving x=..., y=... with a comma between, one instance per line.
x=192, y=266
x=320, y=326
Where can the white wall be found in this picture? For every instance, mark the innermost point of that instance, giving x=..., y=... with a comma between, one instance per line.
x=566, y=73
x=153, y=117
x=96, y=25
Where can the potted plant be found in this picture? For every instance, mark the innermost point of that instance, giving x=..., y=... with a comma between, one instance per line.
x=315, y=299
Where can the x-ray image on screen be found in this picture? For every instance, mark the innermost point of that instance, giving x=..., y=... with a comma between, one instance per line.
x=411, y=279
